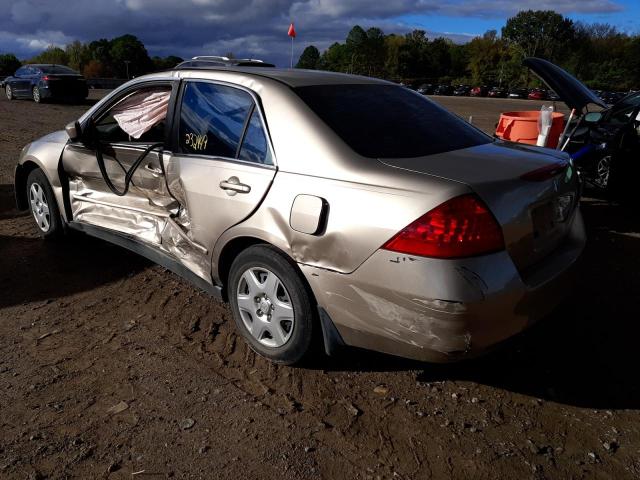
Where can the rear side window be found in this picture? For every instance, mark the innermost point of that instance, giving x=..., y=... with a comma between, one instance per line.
x=254, y=146
x=212, y=119
x=388, y=121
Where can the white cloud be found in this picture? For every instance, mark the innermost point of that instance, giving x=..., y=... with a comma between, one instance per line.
x=35, y=42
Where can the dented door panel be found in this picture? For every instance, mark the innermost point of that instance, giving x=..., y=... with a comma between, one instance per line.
x=209, y=208
x=147, y=212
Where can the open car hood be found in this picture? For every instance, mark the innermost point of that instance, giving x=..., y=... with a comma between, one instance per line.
x=571, y=90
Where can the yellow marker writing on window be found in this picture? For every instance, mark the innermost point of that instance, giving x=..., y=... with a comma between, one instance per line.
x=196, y=142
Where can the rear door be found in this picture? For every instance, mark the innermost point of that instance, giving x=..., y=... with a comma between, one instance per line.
x=223, y=162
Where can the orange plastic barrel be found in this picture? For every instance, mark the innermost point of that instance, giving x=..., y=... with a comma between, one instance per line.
x=522, y=127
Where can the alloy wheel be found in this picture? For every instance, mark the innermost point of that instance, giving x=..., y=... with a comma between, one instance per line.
x=265, y=307
x=36, y=94
x=603, y=171
x=39, y=207
x=8, y=92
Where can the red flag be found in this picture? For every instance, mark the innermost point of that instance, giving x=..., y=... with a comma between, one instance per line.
x=292, y=31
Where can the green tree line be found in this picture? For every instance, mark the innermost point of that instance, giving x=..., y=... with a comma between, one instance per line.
x=115, y=58
x=598, y=54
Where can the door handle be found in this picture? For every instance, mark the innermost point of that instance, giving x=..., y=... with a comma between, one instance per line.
x=232, y=186
x=154, y=171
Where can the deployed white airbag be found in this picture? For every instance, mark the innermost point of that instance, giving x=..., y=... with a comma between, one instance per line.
x=138, y=113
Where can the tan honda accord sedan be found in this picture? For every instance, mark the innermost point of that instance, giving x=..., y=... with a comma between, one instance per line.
x=319, y=205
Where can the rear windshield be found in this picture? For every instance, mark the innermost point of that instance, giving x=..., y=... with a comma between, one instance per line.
x=388, y=121
x=59, y=69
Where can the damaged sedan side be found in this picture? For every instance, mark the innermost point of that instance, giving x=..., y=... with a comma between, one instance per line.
x=289, y=195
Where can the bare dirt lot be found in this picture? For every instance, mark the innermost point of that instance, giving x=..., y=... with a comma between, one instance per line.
x=111, y=366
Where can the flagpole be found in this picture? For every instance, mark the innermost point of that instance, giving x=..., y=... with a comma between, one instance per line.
x=291, y=52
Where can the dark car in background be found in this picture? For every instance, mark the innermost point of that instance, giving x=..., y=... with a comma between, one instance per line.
x=603, y=140
x=553, y=96
x=462, y=91
x=426, y=89
x=611, y=98
x=497, y=92
x=46, y=81
x=606, y=145
x=537, y=94
x=519, y=93
x=443, y=90
x=479, y=91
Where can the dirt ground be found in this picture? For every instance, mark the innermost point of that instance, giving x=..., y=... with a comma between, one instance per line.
x=111, y=367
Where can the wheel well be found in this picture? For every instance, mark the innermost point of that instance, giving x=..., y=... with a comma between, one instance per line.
x=328, y=335
x=232, y=249
x=228, y=255
x=22, y=173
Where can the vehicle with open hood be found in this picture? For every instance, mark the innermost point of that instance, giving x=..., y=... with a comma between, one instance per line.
x=288, y=194
x=603, y=139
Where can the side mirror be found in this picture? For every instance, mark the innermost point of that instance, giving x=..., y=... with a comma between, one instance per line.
x=593, y=117
x=73, y=130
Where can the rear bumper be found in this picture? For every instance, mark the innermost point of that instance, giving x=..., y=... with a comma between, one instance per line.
x=443, y=310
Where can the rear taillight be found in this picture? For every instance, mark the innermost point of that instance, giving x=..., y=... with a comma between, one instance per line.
x=460, y=227
x=45, y=78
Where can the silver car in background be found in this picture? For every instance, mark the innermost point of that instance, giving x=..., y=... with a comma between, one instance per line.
x=320, y=205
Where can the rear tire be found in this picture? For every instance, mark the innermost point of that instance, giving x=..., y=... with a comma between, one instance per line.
x=9, y=92
x=43, y=205
x=271, y=306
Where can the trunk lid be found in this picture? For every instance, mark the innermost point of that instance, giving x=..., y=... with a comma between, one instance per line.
x=535, y=215
x=66, y=84
x=64, y=77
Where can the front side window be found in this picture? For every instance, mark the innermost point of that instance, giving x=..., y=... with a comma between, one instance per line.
x=138, y=117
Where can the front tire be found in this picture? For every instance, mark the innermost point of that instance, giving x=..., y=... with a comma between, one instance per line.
x=272, y=308
x=43, y=205
x=8, y=91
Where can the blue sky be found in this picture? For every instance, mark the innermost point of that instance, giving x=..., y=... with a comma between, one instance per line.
x=257, y=28
x=626, y=18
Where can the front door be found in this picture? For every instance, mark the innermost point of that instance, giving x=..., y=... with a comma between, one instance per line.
x=179, y=202
x=145, y=209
